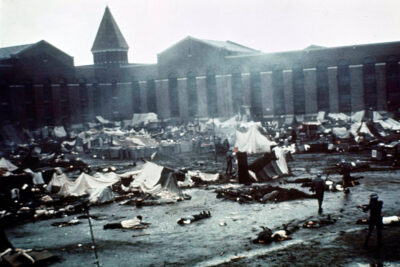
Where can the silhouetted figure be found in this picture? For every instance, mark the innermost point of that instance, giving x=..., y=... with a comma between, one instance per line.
x=375, y=218
x=294, y=136
x=345, y=169
x=229, y=162
x=318, y=186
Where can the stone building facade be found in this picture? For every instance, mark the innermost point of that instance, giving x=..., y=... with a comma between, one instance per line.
x=194, y=78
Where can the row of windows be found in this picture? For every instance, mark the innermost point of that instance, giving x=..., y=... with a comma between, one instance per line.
x=278, y=84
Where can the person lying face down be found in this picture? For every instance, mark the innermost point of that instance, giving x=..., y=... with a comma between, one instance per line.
x=195, y=217
x=135, y=223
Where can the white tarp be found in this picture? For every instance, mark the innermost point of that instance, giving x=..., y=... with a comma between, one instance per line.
x=37, y=177
x=60, y=132
x=339, y=116
x=58, y=180
x=358, y=116
x=102, y=120
x=376, y=116
x=207, y=177
x=360, y=127
x=101, y=195
x=144, y=117
x=341, y=132
x=280, y=153
x=6, y=164
x=253, y=141
x=155, y=179
x=86, y=184
x=394, y=125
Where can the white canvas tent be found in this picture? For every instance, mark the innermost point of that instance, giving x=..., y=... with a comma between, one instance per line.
x=157, y=180
x=360, y=128
x=358, y=116
x=253, y=141
x=92, y=185
x=58, y=180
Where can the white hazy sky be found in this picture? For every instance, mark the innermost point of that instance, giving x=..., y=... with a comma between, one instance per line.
x=151, y=26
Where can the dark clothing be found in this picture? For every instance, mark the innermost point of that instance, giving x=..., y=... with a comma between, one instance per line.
x=318, y=186
x=229, y=159
x=375, y=219
x=345, y=171
x=294, y=136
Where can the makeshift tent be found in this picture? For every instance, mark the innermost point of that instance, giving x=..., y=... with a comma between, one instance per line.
x=253, y=141
x=157, y=180
x=376, y=116
x=60, y=132
x=138, y=118
x=265, y=168
x=101, y=195
x=37, y=177
x=358, y=116
x=358, y=128
x=341, y=132
x=86, y=184
x=57, y=181
x=6, y=164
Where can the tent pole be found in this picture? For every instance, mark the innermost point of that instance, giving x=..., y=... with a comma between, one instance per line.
x=91, y=234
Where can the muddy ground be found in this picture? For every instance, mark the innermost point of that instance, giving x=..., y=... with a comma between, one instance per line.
x=225, y=238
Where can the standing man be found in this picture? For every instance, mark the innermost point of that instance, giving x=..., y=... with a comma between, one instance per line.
x=345, y=169
x=318, y=186
x=375, y=218
x=229, y=159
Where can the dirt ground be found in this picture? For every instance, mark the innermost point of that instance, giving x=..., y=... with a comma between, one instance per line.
x=225, y=238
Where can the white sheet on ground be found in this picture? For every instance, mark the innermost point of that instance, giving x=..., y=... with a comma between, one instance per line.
x=60, y=132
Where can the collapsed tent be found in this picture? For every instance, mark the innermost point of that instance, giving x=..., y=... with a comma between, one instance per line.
x=265, y=168
x=94, y=186
x=253, y=141
x=157, y=180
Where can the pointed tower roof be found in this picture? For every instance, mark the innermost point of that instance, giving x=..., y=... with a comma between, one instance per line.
x=109, y=36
